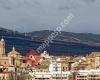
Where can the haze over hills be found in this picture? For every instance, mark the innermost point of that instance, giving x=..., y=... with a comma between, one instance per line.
x=68, y=36
x=66, y=43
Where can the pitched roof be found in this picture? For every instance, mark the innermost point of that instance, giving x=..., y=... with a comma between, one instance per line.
x=36, y=57
x=32, y=52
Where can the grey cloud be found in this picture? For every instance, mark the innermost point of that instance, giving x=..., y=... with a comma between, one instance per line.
x=45, y=14
x=66, y=5
x=89, y=1
x=64, y=8
x=72, y=4
x=13, y=4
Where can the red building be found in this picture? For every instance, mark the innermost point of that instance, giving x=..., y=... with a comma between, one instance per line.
x=33, y=58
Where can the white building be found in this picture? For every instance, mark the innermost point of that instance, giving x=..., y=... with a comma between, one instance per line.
x=54, y=67
x=54, y=73
x=88, y=75
x=45, y=54
x=50, y=75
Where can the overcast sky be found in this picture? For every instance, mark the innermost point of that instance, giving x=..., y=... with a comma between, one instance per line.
x=31, y=15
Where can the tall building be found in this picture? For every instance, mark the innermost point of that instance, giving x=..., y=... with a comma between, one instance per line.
x=2, y=47
x=12, y=58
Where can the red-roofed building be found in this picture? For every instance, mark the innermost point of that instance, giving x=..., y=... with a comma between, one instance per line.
x=33, y=58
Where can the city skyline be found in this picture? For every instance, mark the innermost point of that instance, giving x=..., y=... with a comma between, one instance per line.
x=49, y=39
x=35, y=66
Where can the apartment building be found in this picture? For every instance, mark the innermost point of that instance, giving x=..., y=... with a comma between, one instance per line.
x=88, y=75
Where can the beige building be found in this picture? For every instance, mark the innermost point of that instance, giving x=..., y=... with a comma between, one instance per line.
x=93, y=59
x=12, y=59
x=8, y=62
x=2, y=47
x=7, y=76
x=4, y=60
x=88, y=75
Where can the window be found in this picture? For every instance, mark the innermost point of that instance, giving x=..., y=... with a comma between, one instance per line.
x=4, y=62
x=31, y=56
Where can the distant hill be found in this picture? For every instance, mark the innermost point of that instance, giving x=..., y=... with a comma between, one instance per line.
x=66, y=43
x=87, y=38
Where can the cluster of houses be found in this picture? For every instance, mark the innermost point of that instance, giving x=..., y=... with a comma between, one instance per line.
x=45, y=67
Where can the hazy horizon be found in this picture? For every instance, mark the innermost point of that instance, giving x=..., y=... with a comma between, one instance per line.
x=52, y=30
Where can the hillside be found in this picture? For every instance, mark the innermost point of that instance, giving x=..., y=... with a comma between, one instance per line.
x=66, y=43
x=85, y=38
